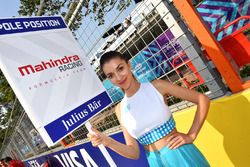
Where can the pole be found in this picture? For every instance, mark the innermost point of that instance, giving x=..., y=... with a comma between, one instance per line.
x=102, y=148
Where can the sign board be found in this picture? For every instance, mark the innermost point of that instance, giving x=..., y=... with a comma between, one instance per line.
x=88, y=156
x=48, y=72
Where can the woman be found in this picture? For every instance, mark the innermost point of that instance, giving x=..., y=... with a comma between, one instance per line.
x=144, y=117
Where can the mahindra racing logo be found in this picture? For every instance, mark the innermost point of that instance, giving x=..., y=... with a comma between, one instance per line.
x=64, y=64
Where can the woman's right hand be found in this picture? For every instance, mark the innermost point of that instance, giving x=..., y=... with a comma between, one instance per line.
x=98, y=138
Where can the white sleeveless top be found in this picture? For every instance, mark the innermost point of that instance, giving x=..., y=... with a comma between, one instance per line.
x=143, y=111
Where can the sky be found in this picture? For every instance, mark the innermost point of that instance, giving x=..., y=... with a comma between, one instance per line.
x=9, y=8
x=89, y=29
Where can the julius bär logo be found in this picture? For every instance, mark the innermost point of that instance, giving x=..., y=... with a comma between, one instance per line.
x=63, y=64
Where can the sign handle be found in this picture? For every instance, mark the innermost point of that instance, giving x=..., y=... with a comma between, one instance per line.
x=102, y=148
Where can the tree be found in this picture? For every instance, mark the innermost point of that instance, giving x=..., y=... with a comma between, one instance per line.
x=7, y=99
x=98, y=9
x=6, y=93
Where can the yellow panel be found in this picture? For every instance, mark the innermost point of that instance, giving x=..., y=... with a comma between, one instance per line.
x=225, y=137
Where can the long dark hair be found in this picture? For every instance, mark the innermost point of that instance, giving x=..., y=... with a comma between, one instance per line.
x=106, y=57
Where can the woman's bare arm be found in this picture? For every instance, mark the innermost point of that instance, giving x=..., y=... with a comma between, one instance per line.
x=130, y=149
x=202, y=101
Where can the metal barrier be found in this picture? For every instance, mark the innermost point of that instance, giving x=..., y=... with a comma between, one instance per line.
x=159, y=45
x=193, y=83
x=156, y=41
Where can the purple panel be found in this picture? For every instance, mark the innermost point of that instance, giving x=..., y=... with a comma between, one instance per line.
x=243, y=8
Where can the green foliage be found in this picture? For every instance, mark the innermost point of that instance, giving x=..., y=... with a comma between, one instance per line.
x=97, y=9
x=173, y=100
x=31, y=7
x=6, y=93
x=101, y=7
x=245, y=71
x=2, y=134
x=7, y=98
x=201, y=88
x=196, y=2
x=247, y=31
x=8, y=121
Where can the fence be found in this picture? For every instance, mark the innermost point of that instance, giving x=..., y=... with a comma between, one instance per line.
x=160, y=46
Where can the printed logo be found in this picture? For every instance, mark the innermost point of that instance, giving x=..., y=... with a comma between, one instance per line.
x=63, y=64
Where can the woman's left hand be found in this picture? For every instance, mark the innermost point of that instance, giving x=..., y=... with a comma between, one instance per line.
x=177, y=139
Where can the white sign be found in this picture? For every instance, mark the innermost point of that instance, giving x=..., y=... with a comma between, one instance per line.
x=48, y=72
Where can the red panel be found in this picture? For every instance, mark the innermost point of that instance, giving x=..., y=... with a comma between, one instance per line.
x=238, y=47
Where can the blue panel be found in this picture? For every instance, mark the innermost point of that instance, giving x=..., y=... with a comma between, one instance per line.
x=114, y=92
x=73, y=119
x=29, y=24
x=74, y=155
